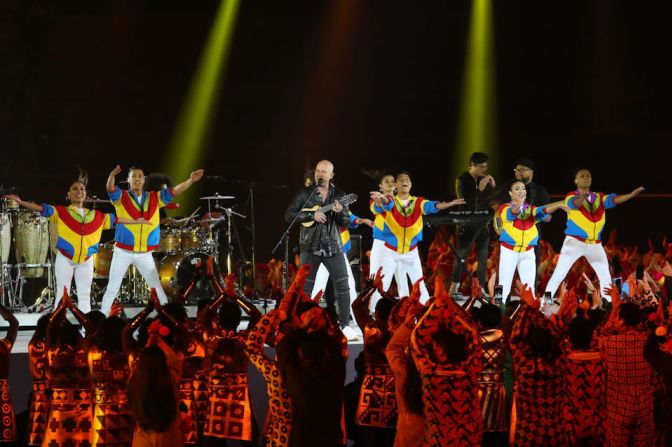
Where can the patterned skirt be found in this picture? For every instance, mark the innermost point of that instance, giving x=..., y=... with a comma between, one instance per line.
x=69, y=418
x=229, y=414
x=39, y=412
x=8, y=430
x=377, y=405
x=112, y=419
x=188, y=412
x=493, y=402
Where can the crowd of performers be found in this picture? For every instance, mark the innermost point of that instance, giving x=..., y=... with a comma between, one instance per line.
x=432, y=374
x=590, y=366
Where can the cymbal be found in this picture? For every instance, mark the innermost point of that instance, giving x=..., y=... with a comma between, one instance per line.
x=217, y=197
x=212, y=220
x=97, y=201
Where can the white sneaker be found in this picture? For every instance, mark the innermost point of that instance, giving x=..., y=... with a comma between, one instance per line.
x=349, y=333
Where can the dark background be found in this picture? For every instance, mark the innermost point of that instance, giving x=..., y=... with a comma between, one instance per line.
x=368, y=85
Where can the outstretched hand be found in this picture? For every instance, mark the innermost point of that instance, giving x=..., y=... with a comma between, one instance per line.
x=378, y=280
x=13, y=197
x=115, y=310
x=197, y=175
x=527, y=296
x=492, y=282
x=114, y=172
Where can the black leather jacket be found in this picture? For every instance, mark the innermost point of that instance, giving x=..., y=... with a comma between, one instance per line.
x=326, y=236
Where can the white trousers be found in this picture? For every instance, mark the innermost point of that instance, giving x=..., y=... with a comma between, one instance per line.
x=393, y=262
x=572, y=250
x=64, y=270
x=121, y=261
x=509, y=262
x=322, y=276
x=378, y=249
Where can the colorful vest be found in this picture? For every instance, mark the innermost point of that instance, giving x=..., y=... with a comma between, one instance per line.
x=139, y=237
x=519, y=232
x=78, y=236
x=401, y=225
x=586, y=222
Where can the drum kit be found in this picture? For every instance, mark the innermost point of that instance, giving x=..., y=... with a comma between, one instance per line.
x=184, y=246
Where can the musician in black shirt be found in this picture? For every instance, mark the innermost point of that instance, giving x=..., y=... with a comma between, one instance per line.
x=473, y=186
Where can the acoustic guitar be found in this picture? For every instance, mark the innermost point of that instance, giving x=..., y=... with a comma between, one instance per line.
x=346, y=200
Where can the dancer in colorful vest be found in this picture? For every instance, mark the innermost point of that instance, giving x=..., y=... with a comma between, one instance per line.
x=402, y=230
x=134, y=244
x=585, y=222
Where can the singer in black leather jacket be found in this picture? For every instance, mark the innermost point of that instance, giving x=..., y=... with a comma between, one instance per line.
x=321, y=242
x=327, y=236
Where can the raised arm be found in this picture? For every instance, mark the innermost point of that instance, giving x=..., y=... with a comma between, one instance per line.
x=13, y=329
x=444, y=205
x=193, y=178
x=111, y=185
x=625, y=197
x=55, y=321
x=29, y=205
x=127, y=340
x=360, y=307
x=81, y=318
x=552, y=207
x=254, y=344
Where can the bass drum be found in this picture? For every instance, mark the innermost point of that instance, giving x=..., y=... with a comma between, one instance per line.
x=177, y=272
x=31, y=237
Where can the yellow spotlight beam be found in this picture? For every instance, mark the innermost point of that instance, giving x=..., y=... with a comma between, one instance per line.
x=186, y=150
x=477, y=128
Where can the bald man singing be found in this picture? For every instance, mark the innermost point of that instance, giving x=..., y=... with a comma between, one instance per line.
x=320, y=243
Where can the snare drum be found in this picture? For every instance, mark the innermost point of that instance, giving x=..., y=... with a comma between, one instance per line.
x=102, y=260
x=170, y=241
x=31, y=237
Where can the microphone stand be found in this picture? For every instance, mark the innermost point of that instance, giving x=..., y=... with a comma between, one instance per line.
x=285, y=239
x=253, y=233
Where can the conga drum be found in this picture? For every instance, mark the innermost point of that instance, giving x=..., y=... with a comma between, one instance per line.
x=5, y=236
x=31, y=242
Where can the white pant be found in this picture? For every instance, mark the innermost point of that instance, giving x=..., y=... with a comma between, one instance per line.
x=572, y=250
x=375, y=261
x=509, y=262
x=322, y=276
x=392, y=263
x=121, y=260
x=64, y=270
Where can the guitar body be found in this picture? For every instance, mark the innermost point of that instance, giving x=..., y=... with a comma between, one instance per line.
x=345, y=201
x=312, y=222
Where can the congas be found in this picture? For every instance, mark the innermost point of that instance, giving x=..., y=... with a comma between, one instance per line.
x=102, y=260
x=31, y=241
x=191, y=239
x=5, y=236
x=177, y=271
x=170, y=241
